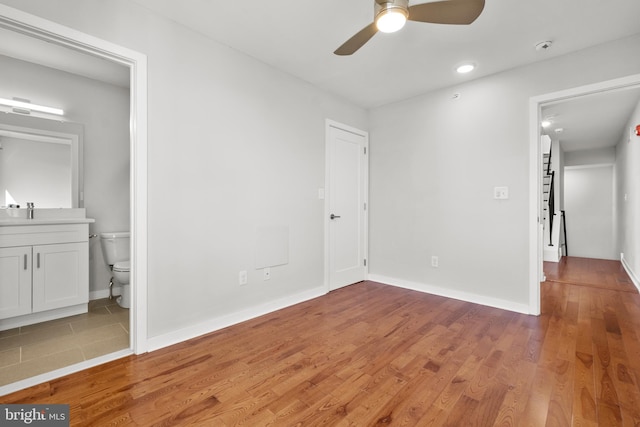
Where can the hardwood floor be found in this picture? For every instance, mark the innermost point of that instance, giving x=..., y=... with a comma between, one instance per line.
x=371, y=354
x=599, y=273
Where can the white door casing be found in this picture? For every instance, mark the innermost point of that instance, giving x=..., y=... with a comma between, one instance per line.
x=346, y=205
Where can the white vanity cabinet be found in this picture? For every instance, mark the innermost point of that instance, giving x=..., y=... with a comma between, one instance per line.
x=60, y=275
x=44, y=272
x=15, y=281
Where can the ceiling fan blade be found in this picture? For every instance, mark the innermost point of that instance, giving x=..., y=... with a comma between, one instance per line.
x=461, y=12
x=357, y=41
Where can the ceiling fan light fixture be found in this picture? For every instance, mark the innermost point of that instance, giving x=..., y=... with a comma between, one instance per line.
x=391, y=15
x=391, y=18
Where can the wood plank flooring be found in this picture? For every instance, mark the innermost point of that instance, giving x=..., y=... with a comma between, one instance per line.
x=600, y=273
x=373, y=355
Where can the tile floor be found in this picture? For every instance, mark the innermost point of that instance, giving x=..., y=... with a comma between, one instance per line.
x=36, y=349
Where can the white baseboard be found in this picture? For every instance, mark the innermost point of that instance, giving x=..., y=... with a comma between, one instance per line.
x=630, y=272
x=551, y=254
x=104, y=293
x=175, y=337
x=42, y=316
x=450, y=293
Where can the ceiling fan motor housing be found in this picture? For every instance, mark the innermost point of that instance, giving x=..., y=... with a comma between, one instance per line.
x=384, y=6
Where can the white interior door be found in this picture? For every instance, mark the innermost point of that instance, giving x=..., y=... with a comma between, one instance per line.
x=347, y=174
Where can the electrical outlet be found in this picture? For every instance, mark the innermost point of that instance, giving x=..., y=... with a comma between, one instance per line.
x=434, y=261
x=266, y=273
x=242, y=277
x=501, y=193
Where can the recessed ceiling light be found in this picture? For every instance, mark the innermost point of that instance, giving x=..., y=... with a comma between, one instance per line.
x=545, y=123
x=465, y=68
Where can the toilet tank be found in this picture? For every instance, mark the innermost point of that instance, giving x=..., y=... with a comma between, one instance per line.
x=115, y=246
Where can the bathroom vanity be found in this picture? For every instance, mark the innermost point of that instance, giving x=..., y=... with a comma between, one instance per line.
x=44, y=265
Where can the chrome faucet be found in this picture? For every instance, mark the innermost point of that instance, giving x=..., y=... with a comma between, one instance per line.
x=29, y=210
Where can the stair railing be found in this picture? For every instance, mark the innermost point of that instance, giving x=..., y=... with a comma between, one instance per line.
x=551, y=208
x=550, y=198
x=564, y=226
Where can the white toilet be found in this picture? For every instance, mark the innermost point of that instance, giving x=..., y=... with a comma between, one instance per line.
x=115, y=249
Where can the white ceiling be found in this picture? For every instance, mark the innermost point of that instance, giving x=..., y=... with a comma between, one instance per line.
x=29, y=49
x=594, y=121
x=299, y=37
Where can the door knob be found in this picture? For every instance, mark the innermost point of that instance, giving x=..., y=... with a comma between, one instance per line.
x=334, y=216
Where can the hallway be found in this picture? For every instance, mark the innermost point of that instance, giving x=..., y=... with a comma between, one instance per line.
x=597, y=273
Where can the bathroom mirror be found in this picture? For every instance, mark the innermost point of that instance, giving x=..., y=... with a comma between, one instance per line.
x=40, y=162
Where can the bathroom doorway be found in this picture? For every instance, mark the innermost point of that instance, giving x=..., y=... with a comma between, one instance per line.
x=37, y=30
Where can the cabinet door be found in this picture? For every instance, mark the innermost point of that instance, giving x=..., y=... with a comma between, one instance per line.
x=15, y=281
x=60, y=275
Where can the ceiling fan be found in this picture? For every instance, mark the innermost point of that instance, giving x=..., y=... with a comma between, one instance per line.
x=391, y=15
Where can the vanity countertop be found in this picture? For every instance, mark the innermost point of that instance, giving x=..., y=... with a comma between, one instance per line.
x=15, y=217
x=4, y=222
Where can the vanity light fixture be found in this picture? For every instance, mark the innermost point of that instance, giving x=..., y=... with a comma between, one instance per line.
x=24, y=104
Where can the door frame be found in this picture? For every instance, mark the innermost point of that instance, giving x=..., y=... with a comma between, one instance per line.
x=43, y=29
x=536, y=245
x=327, y=244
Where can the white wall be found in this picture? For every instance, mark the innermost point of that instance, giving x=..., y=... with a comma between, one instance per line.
x=103, y=110
x=436, y=160
x=589, y=205
x=233, y=145
x=628, y=196
x=596, y=156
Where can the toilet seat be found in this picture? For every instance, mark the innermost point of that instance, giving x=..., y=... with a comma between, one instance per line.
x=122, y=266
